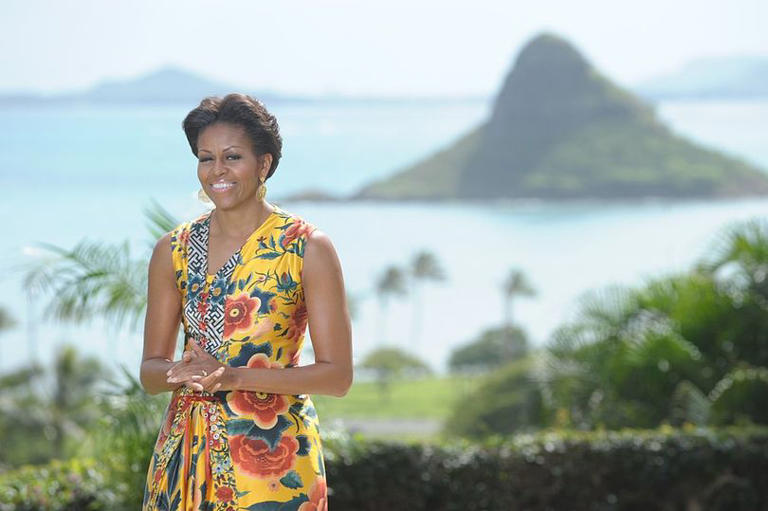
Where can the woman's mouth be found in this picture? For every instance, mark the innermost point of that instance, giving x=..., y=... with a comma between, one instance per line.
x=222, y=186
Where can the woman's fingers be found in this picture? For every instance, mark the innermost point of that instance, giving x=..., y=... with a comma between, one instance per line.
x=186, y=358
x=173, y=368
x=196, y=384
x=197, y=381
x=212, y=380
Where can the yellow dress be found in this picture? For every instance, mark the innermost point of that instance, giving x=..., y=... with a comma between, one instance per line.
x=233, y=450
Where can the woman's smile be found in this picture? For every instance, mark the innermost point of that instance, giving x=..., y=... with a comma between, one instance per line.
x=222, y=186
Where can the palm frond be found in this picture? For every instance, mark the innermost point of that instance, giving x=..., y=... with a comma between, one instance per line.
x=91, y=280
x=425, y=265
x=159, y=221
x=517, y=284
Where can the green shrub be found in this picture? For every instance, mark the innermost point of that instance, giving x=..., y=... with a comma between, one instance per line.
x=740, y=397
x=73, y=485
x=510, y=400
x=490, y=350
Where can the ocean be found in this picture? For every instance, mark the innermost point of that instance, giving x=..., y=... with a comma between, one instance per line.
x=86, y=172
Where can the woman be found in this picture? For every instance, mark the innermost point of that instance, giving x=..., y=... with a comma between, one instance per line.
x=244, y=279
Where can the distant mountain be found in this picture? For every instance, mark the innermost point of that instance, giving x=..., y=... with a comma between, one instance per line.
x=166, y=85
x=711, y=78
x=175, y=85
x=559, y=129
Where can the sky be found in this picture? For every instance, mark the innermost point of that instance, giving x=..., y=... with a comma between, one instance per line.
x=392, y=48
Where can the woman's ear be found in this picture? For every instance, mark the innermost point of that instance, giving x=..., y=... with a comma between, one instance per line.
x=266, y=162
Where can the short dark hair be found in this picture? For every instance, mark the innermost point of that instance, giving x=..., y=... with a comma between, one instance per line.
x=243, y=110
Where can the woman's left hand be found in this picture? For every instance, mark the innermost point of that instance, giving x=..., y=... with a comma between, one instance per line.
x=198, y=370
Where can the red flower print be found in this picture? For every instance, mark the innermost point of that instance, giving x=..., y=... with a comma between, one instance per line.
x=225, y=493
x=263, y=407
x=298, y=322
x=238, y=313
x=318, y=496
x=254, y=457
x=298, y=228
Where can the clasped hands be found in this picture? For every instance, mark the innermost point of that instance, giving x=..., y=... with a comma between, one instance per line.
x=197, y=369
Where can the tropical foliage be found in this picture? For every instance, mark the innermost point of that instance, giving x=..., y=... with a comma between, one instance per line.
x=690, y=347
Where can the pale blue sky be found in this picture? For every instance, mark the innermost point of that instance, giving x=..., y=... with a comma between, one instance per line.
x=356, y=47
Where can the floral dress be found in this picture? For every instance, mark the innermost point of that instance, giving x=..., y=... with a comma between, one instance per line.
x=238, y=449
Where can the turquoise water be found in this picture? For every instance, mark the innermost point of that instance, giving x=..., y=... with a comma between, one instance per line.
x=73, y=173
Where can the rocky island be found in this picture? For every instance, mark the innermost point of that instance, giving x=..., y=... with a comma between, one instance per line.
x=558, y=130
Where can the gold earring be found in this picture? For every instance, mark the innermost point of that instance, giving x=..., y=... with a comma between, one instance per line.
x=262, y=191
x=203, y=197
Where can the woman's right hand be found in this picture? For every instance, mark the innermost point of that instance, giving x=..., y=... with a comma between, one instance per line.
x=210, y=383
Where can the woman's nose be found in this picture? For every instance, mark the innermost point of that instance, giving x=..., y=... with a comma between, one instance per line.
x=218, y=166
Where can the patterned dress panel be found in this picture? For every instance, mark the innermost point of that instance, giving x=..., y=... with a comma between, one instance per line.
x=241, y=449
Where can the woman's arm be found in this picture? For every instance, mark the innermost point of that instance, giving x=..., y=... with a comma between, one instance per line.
x=329, y=327
x=161, y=323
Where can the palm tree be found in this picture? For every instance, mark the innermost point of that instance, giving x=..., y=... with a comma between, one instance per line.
x=742, y=247
x=516, y=284
x=623, y=357
x=96, y=280
x=424, y=266
x=70, y=405
x=391, y=283
x=6, y=323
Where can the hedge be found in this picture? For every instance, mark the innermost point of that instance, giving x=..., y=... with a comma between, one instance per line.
x=664, y=469
x=694, y=469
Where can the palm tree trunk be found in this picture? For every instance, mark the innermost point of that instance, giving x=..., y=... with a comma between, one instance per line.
x=382, y=320
x=507, y=319
x=415, y=316
x=31, y=330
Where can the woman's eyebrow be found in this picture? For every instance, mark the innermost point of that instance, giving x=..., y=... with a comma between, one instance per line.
x=201, y=150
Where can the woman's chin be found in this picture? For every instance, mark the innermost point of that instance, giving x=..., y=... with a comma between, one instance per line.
x=227, y=202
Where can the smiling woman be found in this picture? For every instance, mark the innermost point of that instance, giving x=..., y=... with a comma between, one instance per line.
x=244, y=279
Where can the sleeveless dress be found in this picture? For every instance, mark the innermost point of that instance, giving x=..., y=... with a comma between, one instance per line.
x=233, y=450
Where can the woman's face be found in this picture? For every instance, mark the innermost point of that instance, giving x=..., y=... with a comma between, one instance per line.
x=227, y=167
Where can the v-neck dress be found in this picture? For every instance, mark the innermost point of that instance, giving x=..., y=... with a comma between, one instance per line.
x=237, y=449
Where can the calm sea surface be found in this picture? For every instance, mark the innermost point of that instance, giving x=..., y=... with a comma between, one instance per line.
x=74, y=173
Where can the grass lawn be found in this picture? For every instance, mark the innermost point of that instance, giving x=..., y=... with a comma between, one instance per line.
x=425, y=398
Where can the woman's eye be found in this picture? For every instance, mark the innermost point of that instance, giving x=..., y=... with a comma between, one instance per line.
x=204, y=159
x=234, y=156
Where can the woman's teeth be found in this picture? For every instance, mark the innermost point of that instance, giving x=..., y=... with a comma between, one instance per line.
x=220, y=187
